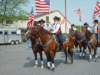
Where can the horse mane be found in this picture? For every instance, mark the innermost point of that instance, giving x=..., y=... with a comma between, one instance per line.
x=43, y=34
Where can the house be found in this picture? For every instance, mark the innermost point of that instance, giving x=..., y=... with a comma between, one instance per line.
x=65, y=25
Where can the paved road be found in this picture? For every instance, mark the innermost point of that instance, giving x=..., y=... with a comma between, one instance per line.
x=19, y=60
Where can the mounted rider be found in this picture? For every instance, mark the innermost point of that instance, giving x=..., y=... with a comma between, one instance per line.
x=45, y=26
x=97, y=30
x=72, y=30
x=56, y=30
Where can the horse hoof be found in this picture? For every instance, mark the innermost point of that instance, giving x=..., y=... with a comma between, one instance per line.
x=80, y=54
x=96, y=60
x=71, y=62
x=90, y=57
x=52, y=69
x=48, y=67
x=83, y=55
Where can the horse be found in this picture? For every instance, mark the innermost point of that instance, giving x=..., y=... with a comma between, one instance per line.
x=49, y=45
x=68, y=48
x=86, y=39
x=81, y=41
x=36, y=46
x=92, y=44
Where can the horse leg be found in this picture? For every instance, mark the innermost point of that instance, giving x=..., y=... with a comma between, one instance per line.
x=41, y=58
x=70, y=51
x=65, y=51
x=95, y=54
x=84, y=52
x=36, y=61
x=80, y=47
x=90, y=54
x=52, y=61
x=48, y=60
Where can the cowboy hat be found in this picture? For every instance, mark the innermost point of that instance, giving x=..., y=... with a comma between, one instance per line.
x=41, y=21
x=56, y=18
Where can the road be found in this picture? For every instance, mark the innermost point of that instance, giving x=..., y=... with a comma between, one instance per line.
x=19, y=60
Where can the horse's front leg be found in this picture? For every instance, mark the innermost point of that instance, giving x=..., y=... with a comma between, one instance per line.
x=95, y=54
x=41, y=58
x=70, y=51
x=90, y=53
x=36, y=61
x=52, y=63
x=48, y=59
x=65, y=51
x=80, y=53
x=84, y=51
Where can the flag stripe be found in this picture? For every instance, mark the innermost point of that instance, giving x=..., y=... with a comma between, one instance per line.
x=96, y=10
x=42, y=6
x=30, y=22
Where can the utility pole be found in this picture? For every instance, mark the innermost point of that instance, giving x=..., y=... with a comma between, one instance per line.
x=65, y=15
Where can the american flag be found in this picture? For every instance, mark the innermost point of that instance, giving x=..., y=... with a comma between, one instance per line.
x=42, y=6
x=96, y=10
x=30, y=22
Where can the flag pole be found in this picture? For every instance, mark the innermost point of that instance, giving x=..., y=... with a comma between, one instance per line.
x=65, y=15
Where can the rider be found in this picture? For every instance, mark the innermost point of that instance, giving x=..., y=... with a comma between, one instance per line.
x=56, y=29
x=87, y=30
x=97, y=29
x=46, y=27
x=72, y=29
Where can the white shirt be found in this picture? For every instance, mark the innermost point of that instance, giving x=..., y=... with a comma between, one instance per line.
x=95, y=29
x=55, y=28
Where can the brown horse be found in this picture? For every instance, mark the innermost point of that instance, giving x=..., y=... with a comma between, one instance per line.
x=81, y=41
x=36, y=46
x=49, y=45
x=86, y=39
x=92, y=44
x=68, y=47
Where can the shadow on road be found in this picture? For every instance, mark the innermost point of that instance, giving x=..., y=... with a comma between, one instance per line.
x=30, y=62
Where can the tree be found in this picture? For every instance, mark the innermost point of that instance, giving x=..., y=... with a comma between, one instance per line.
x=10, y=8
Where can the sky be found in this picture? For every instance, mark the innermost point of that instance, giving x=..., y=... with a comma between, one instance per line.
x=86, y=7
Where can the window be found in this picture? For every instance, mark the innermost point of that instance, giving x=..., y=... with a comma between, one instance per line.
x=1, y=32
x=13, y=32
x=5, y=33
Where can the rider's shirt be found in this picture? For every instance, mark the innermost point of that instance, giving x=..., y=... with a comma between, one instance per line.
x=56, y=28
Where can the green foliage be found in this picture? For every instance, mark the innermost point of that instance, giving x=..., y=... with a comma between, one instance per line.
x=11, y=10
x=13, y=18
x=78, y=28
